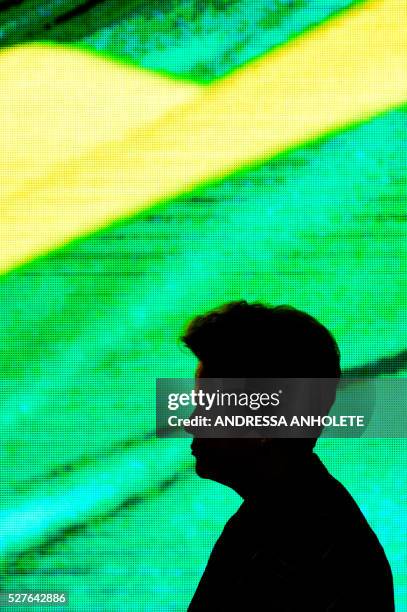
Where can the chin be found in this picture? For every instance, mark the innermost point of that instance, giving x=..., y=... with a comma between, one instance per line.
x=204, y=470
x=201, y=469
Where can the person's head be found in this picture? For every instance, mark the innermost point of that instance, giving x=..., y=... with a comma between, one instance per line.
x=242, y=340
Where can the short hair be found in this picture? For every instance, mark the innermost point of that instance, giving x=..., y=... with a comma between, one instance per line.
x=245, y=340
x=239, y=339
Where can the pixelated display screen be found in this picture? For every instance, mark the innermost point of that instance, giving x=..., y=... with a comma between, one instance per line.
x=159, y=159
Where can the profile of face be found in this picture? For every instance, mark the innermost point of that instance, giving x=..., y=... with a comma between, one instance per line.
x=225, y=460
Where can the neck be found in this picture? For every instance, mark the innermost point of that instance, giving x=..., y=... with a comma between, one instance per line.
x=284, y=477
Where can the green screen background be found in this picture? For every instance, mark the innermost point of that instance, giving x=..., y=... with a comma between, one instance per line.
x=94, y=503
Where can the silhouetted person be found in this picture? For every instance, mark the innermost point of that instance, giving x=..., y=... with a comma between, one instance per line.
x=298, y=542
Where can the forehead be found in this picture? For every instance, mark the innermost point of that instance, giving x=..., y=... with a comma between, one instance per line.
x=198, y=371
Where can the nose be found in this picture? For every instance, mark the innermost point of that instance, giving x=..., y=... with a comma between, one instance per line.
x=196, y=426
x=188, y=429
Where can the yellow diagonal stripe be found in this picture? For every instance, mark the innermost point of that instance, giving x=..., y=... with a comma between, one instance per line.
x=58, y=103
x=346, y=70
